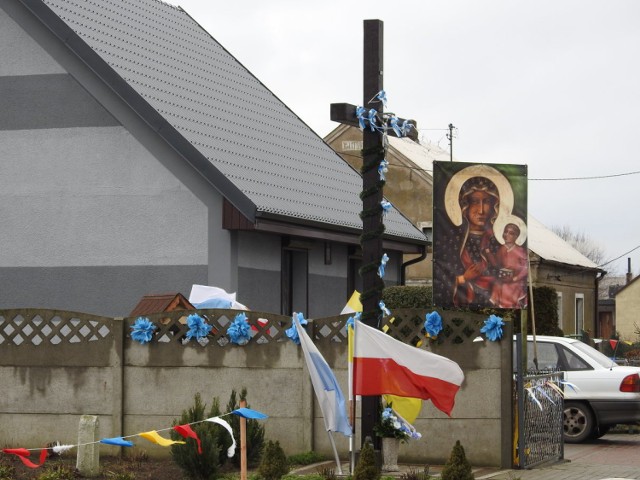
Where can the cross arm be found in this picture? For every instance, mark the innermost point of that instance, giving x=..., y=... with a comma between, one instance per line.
x=346, y=113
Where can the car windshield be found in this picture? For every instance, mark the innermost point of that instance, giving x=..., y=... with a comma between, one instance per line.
x=594, y=354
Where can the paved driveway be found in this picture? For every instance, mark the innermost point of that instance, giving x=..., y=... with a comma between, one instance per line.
x=614, y=456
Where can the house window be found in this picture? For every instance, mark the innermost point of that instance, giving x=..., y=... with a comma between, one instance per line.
x=559, y=309
x=579, y=313
x=295, y=281
x=354, y=280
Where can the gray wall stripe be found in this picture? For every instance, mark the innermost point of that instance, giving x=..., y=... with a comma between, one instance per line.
x=48, y=101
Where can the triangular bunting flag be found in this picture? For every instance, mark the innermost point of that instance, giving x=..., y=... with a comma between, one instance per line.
x=117, y=441
x=23, y=453
x=248, y=413
x=156, y=438
x=187, y=432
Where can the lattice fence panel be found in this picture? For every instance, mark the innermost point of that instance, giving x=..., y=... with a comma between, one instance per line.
x=40, y=326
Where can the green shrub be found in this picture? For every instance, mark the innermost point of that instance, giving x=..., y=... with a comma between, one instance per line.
x=120, y=476
x=273, y=465
x=255, y=433
x=457, y=467
x=545, y=308
x=407, y=297
x=415, y=474
x=306, y=458
x=57, y=472
x=366, y=468
x=199, y=466
x=6, y=471
x=327, y=473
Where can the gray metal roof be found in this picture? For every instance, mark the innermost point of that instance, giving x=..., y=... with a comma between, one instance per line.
x=272, y=157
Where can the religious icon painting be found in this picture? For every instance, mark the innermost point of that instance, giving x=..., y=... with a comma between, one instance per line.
x=480, y=255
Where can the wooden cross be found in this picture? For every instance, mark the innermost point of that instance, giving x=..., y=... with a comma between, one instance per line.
x=372, y=222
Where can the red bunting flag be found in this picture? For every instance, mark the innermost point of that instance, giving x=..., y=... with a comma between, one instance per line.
x=23, y=453
x=613, y=343
x=187, y=432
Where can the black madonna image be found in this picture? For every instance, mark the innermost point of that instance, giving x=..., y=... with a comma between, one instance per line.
x=480, y=256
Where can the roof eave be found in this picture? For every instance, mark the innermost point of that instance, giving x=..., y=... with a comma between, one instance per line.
x=273, y=223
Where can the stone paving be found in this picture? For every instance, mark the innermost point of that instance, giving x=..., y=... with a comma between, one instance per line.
x=613, y=457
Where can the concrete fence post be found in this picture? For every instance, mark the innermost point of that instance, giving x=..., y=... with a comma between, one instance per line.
x=88, y=459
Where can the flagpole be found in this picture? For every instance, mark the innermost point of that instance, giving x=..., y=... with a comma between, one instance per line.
x=352, y=439
x=335, y=452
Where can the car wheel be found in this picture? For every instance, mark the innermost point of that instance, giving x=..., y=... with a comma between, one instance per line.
x=579, y=424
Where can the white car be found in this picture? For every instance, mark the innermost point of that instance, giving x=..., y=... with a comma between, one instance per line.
x=605, y=393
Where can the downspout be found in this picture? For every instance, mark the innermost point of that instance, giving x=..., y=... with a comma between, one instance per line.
x=403, y=270
x=599, y=276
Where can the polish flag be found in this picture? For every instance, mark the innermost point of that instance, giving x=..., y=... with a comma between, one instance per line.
x=384, y=365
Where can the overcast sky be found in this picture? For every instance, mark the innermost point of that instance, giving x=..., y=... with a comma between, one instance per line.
x=553, y=84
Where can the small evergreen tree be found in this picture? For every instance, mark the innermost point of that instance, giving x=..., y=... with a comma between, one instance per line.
x=457, y=467
x=255, y=433
x=274, y=464
x=366, y=468
x=197, y=466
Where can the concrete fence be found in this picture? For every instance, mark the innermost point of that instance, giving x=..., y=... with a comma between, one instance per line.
x=56, y=366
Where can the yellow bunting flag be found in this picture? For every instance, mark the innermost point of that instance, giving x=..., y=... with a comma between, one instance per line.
x=154, y=437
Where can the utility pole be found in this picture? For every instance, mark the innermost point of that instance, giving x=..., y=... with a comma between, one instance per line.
x=372, y=222
x=450, y=137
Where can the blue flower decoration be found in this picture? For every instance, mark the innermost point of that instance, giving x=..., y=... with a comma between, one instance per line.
x=383, y=264
x=382, y=96
x=142, y=330
x=433, y=324
x=197, y=328
x=385, y=311
x=493, y=328
x=291, y=332
x=386, y=206
x=239, y=329
x=360, y=111
x=351, y=321
x=383, y=168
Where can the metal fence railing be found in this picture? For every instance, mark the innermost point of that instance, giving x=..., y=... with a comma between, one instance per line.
x=540, y=416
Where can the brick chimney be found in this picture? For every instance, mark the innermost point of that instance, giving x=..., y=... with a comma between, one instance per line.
x=629, y=274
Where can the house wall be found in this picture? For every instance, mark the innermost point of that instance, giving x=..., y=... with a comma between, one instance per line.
x=627, y=311
x=260, y=265
x=97, y=212
x=572, y=284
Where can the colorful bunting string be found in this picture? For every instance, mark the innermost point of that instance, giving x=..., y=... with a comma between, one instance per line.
x=153, y=436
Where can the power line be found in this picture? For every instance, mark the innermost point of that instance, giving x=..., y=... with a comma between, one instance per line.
x=357, y=155
x=588, y=178
x=618, y=258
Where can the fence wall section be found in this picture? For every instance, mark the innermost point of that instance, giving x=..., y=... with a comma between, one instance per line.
x=56, y=366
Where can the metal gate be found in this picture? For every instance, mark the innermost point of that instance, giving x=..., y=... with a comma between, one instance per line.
x=539, y=416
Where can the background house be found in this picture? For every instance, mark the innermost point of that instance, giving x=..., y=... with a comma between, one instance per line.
x=409, y=185
x=607, y=289
x=627, y=307
x=554, y=263
x=140, y=156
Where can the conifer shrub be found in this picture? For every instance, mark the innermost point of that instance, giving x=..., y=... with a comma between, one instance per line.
x=197, y=466
x=273, y=464
x=255, y=433
x=457, y=467
x=366, y=468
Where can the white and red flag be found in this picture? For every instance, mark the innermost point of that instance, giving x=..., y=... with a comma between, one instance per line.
x=383, y=365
